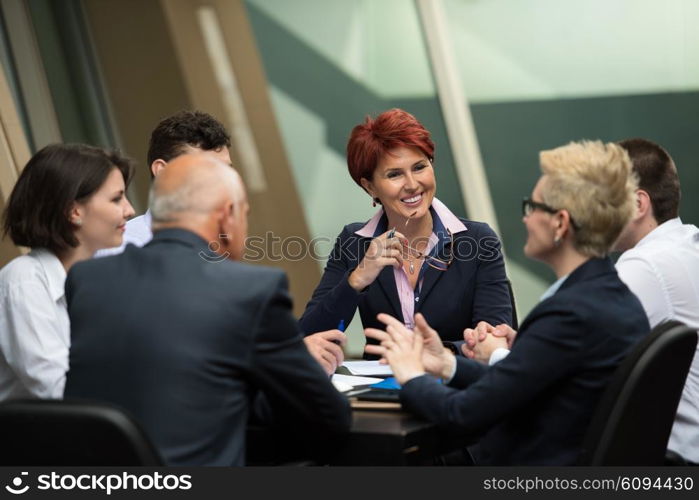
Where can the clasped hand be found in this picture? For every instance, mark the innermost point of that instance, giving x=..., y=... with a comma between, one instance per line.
x=485, y=338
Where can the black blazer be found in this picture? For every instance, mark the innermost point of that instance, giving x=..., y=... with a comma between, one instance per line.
x=534, y=406
x=183, y=340
x=474, y=288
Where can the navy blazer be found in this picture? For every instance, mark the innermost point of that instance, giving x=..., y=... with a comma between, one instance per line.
x=534, y=406
x=184, y=341
x=474, y=288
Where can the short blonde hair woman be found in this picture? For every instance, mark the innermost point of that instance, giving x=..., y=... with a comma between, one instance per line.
x=533, y=405
x=603, y=173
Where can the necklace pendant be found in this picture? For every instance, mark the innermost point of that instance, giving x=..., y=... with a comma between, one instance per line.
x=412, y=267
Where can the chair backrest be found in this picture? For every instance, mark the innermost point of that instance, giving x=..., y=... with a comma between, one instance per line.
x=632, y=422
x=72, y=433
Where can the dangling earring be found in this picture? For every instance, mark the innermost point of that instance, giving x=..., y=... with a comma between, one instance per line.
x=556, y=241
x=374, y=202
x=78, y=222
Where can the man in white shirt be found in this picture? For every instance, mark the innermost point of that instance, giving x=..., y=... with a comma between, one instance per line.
x=660, y=264
x=183, y=132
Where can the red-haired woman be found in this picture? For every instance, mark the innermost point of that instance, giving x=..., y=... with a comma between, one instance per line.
x=414, y=255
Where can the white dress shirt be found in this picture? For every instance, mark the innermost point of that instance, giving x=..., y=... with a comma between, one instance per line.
x=137, y=233
x=34, y=327
x=663, y=271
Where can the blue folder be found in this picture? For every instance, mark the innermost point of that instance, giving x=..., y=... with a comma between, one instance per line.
x=387, y=383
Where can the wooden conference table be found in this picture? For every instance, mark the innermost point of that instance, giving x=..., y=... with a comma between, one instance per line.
x=377, y=437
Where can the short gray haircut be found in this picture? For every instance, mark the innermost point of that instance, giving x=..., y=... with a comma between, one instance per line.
x=200, y=192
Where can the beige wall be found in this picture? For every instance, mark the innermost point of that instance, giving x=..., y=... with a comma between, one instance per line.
x=138, y=64
x=154, y=62
x=14, y=154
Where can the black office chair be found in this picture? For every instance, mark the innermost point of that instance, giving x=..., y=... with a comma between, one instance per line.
x=71, y=433
x=632, y=422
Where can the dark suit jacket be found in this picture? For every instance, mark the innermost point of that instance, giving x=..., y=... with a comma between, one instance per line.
x=535, y=405
x=474, y=288
x=184, y=342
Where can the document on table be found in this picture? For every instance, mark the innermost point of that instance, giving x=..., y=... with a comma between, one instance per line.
x=346, y=383
x=368, y=368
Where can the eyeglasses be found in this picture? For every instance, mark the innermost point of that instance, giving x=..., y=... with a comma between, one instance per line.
x=434, y=262
x=529, y=205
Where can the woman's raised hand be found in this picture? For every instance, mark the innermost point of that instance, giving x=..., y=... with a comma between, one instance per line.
x=383, y=251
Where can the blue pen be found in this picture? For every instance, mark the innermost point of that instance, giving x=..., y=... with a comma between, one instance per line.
x=341, y=327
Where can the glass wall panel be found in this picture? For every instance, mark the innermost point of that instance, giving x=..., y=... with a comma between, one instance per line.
x=72, y=71
x=8, y=66
x=541, y=73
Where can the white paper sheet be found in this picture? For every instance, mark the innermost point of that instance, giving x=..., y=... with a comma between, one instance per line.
x=368, y=368
x=352, y=381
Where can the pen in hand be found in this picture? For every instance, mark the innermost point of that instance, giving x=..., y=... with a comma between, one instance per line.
x=341, y=327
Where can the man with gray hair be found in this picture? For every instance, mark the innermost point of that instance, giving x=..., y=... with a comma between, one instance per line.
x=188, y=340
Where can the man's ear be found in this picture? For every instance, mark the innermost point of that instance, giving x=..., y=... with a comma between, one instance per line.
x=226, y=217
x=643, y=204
x=157, y=166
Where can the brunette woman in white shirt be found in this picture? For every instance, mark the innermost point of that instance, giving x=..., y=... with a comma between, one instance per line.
x=69, y=202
